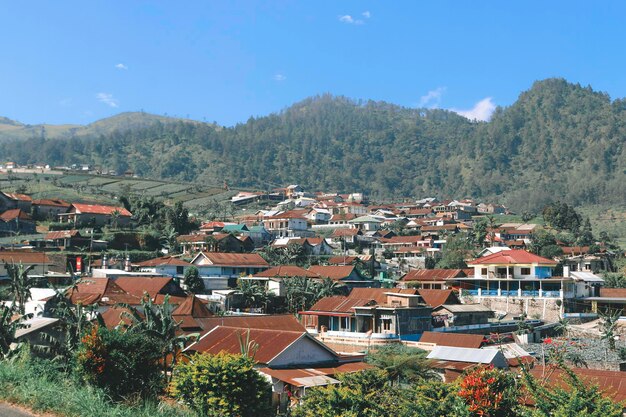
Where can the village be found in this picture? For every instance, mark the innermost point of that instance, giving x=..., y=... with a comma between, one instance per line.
x=317, y=281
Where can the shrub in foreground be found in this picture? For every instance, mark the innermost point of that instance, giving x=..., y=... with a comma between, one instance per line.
x=222, y=385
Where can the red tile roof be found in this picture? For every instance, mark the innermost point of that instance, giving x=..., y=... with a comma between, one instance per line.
x=226, y=339
x=235, y=259
x=343, y=260
x=100, y=209
x=192, y=306
x=51, y=203
x=164, y=260
x=286, y=271
x=13, y=214
x=474, y=341
x=513, y=256
x=18, y=197
x=346, y=232
x=432, y=274
x=291, y=214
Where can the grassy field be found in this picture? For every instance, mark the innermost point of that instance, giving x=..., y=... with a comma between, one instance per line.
x=76, y=187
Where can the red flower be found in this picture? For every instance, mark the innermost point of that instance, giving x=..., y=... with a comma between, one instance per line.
x=547, y=340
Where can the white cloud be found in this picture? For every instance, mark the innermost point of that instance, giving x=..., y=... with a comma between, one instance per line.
x=107, y=99
x=350, y=20
x=432, y=99
x=366, y=14
x=121, y=66
x=481, y=111
x=280, y=77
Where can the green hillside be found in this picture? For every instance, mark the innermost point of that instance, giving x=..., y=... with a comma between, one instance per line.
x=557, y=141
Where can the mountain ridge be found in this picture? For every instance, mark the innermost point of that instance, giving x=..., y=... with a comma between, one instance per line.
x=557, y=141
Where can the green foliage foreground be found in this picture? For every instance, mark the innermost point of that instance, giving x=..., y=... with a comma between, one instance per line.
x=40, y=386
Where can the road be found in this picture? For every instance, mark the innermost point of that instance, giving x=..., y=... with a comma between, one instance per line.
x=7, y=410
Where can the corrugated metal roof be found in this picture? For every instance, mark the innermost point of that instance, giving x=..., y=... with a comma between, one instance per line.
x=62, y=234
x=25, y=257
x=334, y=272
x=461, y=354
x=435, y=298
x=234, y=259
x=286, y=271
x=138, y=285
x=341, y=304
x=13, y=214
x=432, y=274
x=473, y=341
x=164, y=260
x=378, y=294
x=586, y=276
x=465, y=308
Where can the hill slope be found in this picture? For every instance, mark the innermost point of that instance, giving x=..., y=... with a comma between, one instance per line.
x=559, y=140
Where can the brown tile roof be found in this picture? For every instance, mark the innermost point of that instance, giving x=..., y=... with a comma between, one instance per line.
x=343, y=260
x=402, y=239
x=235, y=259
x=341, y=304
x=286, y=271
x=435, y=298
x=90, y=290
x=334, y=272
x=62, y=234
x=378, y=294
x=226, y=339
x=346, y=232
x=192, y=306
x=164, y=260
x=513, y=256
x=198, y=237
x=13, y=214
x=285, y=322
x=136, y=286
x=291, y=214
x=448, y=227
x=100, y=209
x=25, y=257
x=575, y=250
x=343, y=216
x=115, y=316
x=432, y=274
x=474, y=341
x=613, y=292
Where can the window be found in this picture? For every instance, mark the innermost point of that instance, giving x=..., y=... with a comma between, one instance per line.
x=483, y=272
x=179, y=270
x=525, y=271
x=386, y=324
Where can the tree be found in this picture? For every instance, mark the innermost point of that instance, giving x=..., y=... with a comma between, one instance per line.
x=402, y=364
x=193, y=281
x=168, y=239
x=222, y=384
x=254, y=294
x=614, y=280
x=20, y=284
x=8, y=326
x=123, y=363
x=455, y=251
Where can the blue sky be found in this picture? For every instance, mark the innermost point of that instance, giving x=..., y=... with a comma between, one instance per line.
x=79, y=61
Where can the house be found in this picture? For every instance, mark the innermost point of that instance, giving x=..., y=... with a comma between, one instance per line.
x=259, y=235
x=398, y=242
x=347, y=236
x=166, y=265
x=319, y=215
x=431, y=278
x=291, y=359
x=291, y=223
x=449, y=315
x=49, y=208
x=9, y=201
x=273, y=278
x=515, y=273
x=235, y=228
x=64, y=239
x=369, y=315
x=220, y=271
x=347, y=274
x=16, y=221
x=366, y=223
x=95, y=215
x=451, y=362
x=341, y=220
x=310, y=245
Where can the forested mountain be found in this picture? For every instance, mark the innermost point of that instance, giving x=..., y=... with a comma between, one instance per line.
x=558, y=140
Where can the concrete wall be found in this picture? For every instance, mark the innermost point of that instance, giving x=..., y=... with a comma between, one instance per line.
x=545, y=309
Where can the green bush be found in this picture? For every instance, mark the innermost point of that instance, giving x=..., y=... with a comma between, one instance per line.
x=222, y=385
x=125, y=364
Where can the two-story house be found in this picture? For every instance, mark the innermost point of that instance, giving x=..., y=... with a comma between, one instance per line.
x=220, y=271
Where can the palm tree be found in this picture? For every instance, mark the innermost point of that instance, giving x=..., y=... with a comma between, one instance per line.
x=168, y=239
x=403, y=365
x=253, y=294
x=8, y=327
x=20, y=284
x=563, y=327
